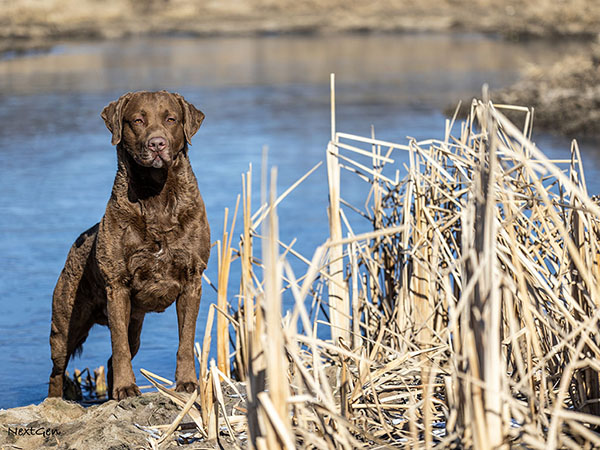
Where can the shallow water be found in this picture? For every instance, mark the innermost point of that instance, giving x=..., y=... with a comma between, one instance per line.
x=57, y=165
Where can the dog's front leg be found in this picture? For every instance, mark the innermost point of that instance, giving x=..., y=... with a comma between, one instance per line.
x=187, y=306
x=119, y=313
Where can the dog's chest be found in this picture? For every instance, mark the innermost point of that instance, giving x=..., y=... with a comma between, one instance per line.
x=159, y=263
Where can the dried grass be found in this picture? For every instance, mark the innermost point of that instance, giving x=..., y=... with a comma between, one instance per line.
x=467, y=318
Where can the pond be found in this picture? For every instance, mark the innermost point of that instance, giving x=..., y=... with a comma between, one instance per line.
x=57, y=164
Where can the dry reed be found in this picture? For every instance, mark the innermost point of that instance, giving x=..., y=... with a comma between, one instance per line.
x=466, y=318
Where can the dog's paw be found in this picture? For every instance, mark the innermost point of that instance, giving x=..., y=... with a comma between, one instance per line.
x=186, y=386
x=120, y=393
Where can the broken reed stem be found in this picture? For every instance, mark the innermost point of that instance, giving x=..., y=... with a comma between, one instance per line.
x=277, y=381
x=246, y=300
x=339, y=308
x=179, y=417
x=225, y=254
x=206, y=391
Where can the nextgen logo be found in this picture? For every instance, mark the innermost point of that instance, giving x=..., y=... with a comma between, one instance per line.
x=33, y=431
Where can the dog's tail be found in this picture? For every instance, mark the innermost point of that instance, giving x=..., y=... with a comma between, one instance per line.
x=78, y=348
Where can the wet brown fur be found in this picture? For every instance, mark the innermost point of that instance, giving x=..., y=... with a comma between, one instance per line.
x=148, y=251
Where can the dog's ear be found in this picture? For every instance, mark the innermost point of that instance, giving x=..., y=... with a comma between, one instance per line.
x=192, y=118
x=113, y=117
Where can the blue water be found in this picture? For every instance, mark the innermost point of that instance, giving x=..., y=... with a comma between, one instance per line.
x=57, y=164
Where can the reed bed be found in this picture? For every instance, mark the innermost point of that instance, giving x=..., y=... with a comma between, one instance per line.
x=466, y=318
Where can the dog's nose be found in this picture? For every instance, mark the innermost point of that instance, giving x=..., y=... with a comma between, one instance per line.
x=157, y=144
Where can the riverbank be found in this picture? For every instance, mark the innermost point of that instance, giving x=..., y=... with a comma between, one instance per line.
x=31, y=24
x=565, y=97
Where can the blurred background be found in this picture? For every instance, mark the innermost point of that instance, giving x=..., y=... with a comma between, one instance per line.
x=259, y=70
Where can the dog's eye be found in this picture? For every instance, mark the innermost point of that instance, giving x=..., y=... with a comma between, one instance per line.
x=171, y=119
x=138, y=121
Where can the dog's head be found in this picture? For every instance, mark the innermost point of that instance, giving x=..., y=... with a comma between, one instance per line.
x=153, y=127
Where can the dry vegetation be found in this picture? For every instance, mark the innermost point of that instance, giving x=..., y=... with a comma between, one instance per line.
x=467, y=318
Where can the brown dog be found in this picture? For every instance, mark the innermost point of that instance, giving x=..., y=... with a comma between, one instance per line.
x=148, y=251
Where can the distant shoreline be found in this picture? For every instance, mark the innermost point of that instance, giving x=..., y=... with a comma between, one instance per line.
x=27, y=25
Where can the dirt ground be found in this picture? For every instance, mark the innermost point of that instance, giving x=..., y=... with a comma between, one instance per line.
x=126, y=425
x=64, y=425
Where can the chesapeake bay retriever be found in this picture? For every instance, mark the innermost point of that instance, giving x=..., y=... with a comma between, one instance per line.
x=148, y=251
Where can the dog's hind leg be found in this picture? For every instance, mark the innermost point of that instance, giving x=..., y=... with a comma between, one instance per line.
x=72, y=309
x=62, y=309
x=71, y=323
x=63, y=347
x=60, y=358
